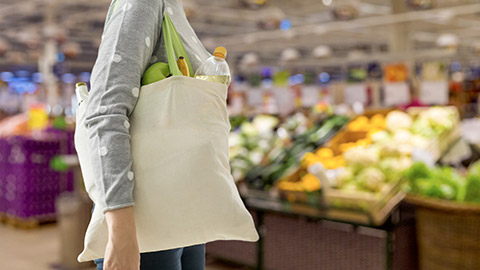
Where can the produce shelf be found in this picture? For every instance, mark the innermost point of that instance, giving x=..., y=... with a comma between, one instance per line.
x=357, y=217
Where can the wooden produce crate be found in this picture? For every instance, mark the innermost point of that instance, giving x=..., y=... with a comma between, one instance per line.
x=344, y=136
x=371, y=112
x=361, y=200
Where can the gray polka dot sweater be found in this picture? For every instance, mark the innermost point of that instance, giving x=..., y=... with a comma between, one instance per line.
x=132, y=41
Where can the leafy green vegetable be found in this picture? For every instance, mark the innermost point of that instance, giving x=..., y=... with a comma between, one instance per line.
x=443, y=182
x=473, y=183
x=473, y=189
x=449, y=176
x=419, y=170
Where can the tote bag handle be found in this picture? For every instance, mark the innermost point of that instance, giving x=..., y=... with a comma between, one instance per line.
x=174, y=47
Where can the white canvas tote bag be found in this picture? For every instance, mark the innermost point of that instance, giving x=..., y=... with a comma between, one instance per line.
x=184, y=193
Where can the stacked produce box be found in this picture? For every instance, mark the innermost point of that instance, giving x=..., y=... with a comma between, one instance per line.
x=28, y=185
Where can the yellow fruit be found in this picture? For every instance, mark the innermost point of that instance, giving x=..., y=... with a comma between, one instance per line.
x=330, y=164
x=378, y=117
x=307, y=159
x=308, y=155
x=378, y=121
x=324, y=153
x=352, y=126
x=310, y=182
x=362, y=120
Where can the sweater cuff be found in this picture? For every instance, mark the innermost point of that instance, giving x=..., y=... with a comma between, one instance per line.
x=114, y=207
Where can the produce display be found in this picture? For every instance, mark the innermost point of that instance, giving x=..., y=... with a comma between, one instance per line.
x=360, y=132
x=370, y=168
x=285, y=159
x=444, y=182
x=250, y=142
x=236, y=121
x=365, y=162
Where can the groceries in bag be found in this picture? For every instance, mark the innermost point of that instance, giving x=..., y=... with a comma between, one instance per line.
x=155, y=73
x=183, y=66
x=215, y=68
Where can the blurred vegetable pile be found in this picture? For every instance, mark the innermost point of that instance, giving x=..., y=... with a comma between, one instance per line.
x=250, y=142
x=285, y=158
x=444, y=182
x=375, y=152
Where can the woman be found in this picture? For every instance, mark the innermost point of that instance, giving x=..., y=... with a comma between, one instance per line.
x=131, y=42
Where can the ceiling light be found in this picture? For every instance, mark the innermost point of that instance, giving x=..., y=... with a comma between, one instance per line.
x=447, y=41
x=290, y=54
x=322, y=51
x=285, y=25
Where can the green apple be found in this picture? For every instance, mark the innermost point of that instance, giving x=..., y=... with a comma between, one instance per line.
x=155, y=73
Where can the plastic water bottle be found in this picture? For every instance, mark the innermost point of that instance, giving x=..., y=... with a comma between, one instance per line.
x=215, y=68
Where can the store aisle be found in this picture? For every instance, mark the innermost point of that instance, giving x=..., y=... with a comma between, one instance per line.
x=38, y=249
x=28, y=249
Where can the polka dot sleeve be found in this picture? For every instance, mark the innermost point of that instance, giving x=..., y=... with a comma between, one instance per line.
x=131, y=31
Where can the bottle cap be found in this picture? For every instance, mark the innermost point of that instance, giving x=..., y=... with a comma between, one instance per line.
x=81, y=84
x=220, y=52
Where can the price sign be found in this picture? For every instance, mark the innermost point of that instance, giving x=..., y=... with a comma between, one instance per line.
x=254, y=97
x=284, y=98
x=396, y=93
x=434, y=92
x=310, y=95
x=356, y=93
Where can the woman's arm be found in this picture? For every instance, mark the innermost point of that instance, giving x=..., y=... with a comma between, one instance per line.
x=129, y=38
x=131, y=31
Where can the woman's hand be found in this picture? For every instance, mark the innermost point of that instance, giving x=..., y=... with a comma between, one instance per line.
x=122, y=251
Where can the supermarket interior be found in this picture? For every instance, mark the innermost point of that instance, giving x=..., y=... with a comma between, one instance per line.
x=354, y=129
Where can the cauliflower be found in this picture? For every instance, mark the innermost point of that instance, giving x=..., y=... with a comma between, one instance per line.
x=248, y=129
x=255, y=156
x=371, y=179
x=389, y=149
x=264, y=124
x=394, y=167
x=434, y=121
x=420, y=142
x=422, y=127
x=402, y=136
x=397, y=120
x=344, y=176
x=440, y=119
x=401, y=145
x=380, y=136
x=235, y=139
x=405, y=149
x=361, y=156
